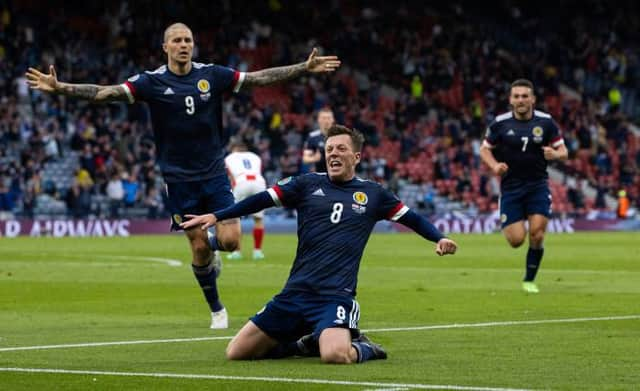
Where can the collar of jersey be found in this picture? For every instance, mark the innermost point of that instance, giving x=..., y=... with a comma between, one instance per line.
x=169, y=71
x=350, y=181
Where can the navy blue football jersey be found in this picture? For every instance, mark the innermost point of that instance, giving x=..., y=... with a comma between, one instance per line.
x=334, y=224
x=186, y=114
x=315, y=142
x=519, y=144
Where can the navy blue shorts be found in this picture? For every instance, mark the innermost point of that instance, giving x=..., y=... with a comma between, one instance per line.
x=528, y=199
x=198, y=197
x=289, y=316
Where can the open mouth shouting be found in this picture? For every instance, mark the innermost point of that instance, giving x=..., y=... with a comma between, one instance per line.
x=335, y=163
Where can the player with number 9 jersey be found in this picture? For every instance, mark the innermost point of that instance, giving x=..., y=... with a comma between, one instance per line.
x=186, y=114
x=185, y=102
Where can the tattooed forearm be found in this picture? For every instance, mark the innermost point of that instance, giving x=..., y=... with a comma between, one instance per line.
x=83, y=91
x=274, y=75
x=93, y=92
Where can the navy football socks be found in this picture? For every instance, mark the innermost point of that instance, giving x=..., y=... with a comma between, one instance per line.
x=534, y=256
x=369, y=351
x=206, y=277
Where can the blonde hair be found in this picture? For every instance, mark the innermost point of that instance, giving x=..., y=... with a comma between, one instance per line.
x=173, y=27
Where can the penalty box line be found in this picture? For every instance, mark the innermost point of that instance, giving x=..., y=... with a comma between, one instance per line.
x=380, y=330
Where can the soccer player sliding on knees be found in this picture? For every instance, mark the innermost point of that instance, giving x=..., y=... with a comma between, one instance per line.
x=317, y=313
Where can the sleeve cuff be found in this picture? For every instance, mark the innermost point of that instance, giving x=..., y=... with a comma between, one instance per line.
x=129, y=89
x=238, y=80
x=275, y=193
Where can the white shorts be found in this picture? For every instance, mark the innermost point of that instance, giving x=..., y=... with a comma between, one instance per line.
x=248, y=187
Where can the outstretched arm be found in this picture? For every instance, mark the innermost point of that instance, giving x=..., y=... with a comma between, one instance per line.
x=428, y=231
x=314, y=64
x=94, y=93
x=249, y=205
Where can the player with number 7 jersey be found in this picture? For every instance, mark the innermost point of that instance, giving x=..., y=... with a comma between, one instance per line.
x=517, y=146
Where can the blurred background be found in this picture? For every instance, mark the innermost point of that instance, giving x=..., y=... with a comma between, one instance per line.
x=422, y=82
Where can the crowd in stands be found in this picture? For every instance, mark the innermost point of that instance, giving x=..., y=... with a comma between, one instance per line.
x=421, y=83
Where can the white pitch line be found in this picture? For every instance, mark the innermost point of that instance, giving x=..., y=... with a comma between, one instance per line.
x=262, y=379
x=115, y=343
x=166, y=261
x=417, y=328
x=507, y=323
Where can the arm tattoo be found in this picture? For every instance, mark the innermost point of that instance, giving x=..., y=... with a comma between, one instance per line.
x=93, y=92
x=269, y=76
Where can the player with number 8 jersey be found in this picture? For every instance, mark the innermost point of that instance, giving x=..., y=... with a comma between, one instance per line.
x=337, y=212
x=326, y=263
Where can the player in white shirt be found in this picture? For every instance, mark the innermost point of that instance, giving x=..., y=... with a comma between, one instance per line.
x=245, y=173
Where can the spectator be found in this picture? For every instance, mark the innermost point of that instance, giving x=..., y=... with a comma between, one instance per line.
x=575, y=196
x=6, y=201
x=153, y=202
x=115, y=193
x=78, y=200
x=460, y=66
x=623, y=204
x=130, y=186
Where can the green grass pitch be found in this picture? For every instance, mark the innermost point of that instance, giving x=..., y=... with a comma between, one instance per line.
x=96, y=290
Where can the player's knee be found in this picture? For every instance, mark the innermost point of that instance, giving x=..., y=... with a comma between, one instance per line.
x=337, y=356
x=536, y=238
x=229, y=240
x=516, y=242
x=229, y=243
x=233, y=353
x=201, y=249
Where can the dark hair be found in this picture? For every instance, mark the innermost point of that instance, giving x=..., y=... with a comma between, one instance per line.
x=325, y=109
x=522, y=83
x=238, y=144
x=357, y=139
